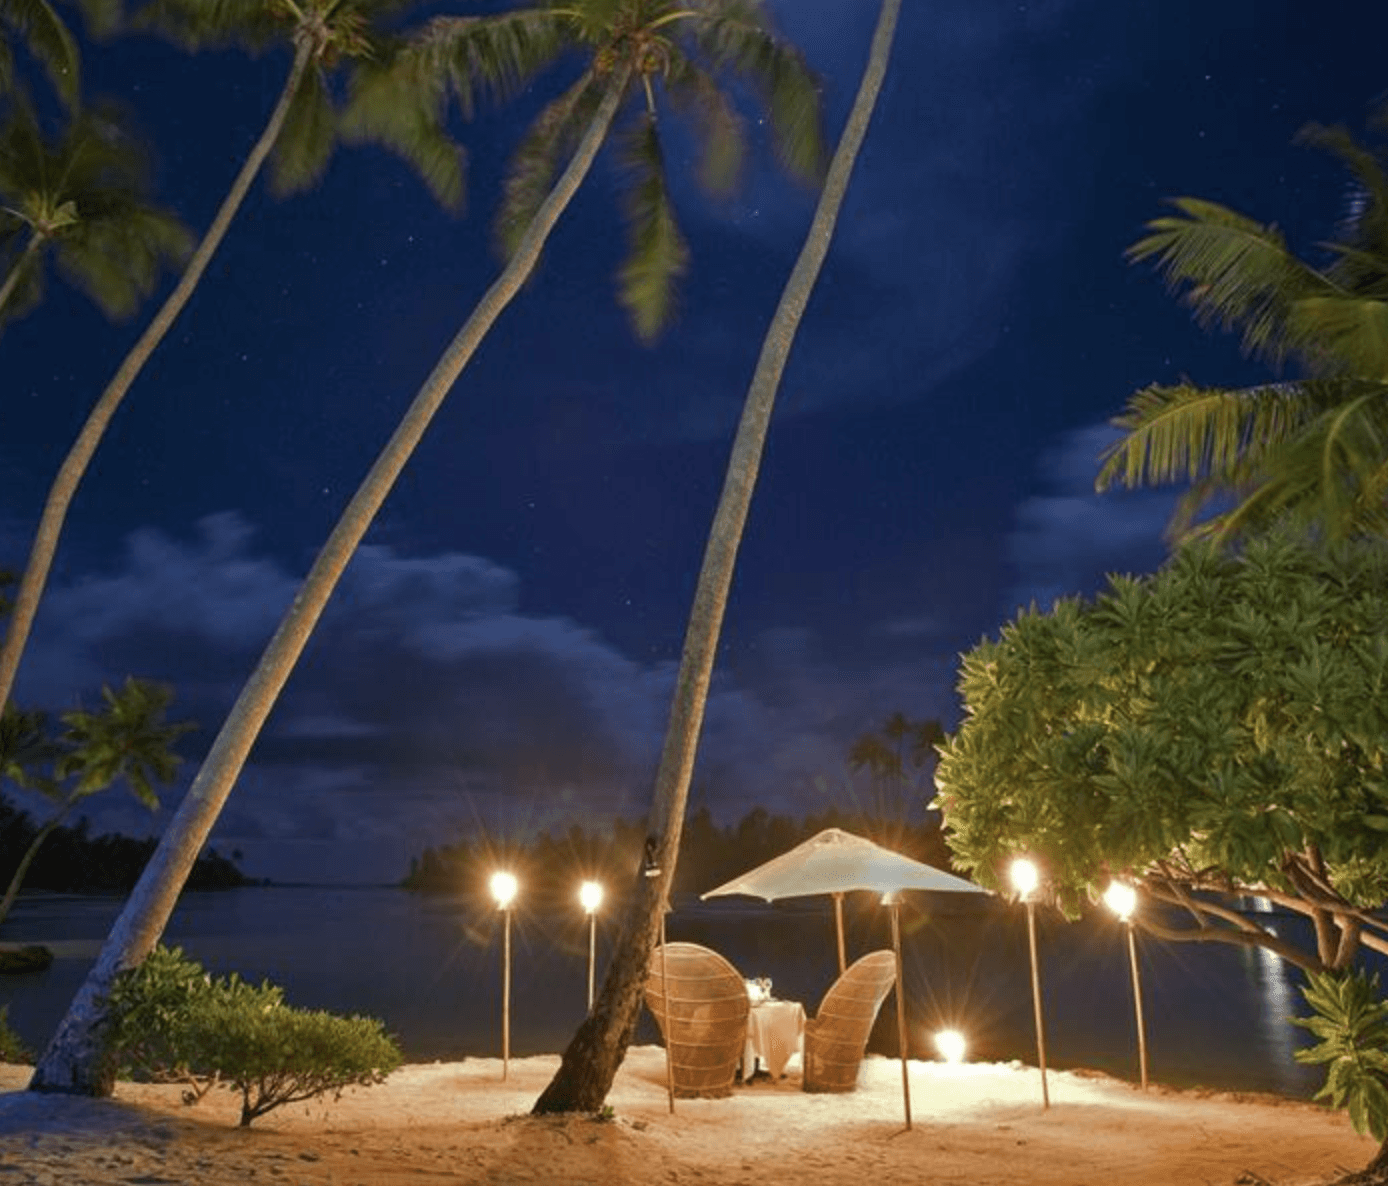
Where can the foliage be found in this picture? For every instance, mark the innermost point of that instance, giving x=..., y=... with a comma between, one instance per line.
x=1351, y=1021
x=891, y=755
x=653, y=49
x=81, y=199
x=1313, y=447
x=47, y=38
x=330, y=33
x=127, y=740
x=1220, y=728
x=73, y=861
x=12, y=1048
x=172, y=1021
x=155, y=1010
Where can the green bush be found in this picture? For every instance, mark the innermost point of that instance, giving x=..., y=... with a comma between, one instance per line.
x=174, y=1023
x=1351, y=1021
x=276, y=1055
x=12, y=1048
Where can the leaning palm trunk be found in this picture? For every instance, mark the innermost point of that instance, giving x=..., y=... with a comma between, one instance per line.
x=22, y=871
x=73, y=1062
x=64, y=488
x=596, y=1051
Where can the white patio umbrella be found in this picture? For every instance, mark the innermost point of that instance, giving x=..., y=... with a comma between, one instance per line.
x=837, y=862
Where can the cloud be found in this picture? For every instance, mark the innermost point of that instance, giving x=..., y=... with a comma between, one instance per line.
x=428, y=701
x=1067, y=540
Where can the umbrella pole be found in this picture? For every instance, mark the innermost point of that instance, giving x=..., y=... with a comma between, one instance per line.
x=901, y=1008
x=838, y=926
x=665, y=1002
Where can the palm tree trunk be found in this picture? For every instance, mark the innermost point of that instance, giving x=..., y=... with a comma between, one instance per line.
x=12, y=282
x=591, y=1060
x=72, y=1061
x=12, y=890
x=64, y=488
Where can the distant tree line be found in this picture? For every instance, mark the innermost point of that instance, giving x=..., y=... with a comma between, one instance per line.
x=72, y=861
x=552, y=865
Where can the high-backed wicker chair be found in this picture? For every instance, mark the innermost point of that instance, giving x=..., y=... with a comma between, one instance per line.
x=837, y=1035
x=700, y=1002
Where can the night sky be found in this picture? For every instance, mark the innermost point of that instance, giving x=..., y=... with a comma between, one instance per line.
x=501, y=653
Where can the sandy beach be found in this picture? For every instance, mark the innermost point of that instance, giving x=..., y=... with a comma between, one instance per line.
x=460, y=1123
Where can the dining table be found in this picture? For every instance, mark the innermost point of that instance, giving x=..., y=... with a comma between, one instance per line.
x=775, y=1033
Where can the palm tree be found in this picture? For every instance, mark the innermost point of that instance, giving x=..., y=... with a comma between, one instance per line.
x=298, y=141
x=80, y=202
x=1313, y=448
x=127, y=741
x=635, y=48
x=592, y=1057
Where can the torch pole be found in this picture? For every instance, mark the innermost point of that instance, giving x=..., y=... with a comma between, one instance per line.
x=1036, y=1002
x=1137, y=1007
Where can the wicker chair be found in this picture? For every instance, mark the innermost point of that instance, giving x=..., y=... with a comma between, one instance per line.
x=837, y=1035
x=700, y=1002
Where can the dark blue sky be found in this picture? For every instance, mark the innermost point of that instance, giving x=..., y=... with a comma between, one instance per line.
x=502, y=650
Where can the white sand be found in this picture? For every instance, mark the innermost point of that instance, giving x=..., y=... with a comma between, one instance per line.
x=459, y=1122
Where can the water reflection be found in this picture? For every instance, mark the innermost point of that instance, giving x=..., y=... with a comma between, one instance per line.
x=1277, y=997
x=430, y=968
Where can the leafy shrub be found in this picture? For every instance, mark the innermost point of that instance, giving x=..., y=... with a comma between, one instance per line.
x=276, y=1055
x=1351, y=1021
x=12, y=1048
x=156, y=1010
x=174, y=1023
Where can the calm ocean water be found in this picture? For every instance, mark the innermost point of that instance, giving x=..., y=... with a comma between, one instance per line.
x=430, y=967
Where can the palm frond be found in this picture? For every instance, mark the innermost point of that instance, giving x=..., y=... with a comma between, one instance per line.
x=118, y=252
x=408, y=118
x=1342, y=334
x=27, y=270
x=1187, y=433
x=48, y=39
x=469, y=56
x=102, y=17
x=721, y=130
x=86, y=195
x=734, y=37
x=656, y=251
x=1330, y=477
x=1237, y=273
x=209, y=24
x=307, y=138
x=1362, y=243
x=533, y=168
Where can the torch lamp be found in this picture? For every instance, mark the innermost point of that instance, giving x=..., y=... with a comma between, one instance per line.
x=1121, y=898
x=504, y=888
x=590, y=898
x=1025, y=880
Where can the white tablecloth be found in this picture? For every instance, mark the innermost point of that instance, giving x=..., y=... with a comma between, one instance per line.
x=775, y=1031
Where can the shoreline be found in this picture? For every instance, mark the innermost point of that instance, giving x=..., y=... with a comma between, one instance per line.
x=461, y=1122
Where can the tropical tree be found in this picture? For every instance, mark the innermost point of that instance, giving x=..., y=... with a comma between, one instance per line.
x=297, y=141
x=1313, y=447
x=635, y=49
x=81, y=203
x=890, y=754
x=592, y=1057
x=126, y=740
x=1216, y=731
